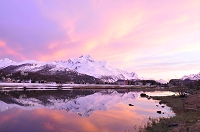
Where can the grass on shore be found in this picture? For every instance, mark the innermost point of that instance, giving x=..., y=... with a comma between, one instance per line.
x=186, y=120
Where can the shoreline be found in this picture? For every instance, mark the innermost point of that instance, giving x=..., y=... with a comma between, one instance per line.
x=187, y=118
x=75, y=86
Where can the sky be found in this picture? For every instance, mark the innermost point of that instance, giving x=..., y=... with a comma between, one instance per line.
x=154, y=38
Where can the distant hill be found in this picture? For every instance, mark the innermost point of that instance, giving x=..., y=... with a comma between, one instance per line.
x=191, y=77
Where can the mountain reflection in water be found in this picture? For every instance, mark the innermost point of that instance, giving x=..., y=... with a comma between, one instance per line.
x=77, y=110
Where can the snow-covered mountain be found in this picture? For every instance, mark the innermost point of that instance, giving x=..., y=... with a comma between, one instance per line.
x=83, y=106
x=100, y=69
x=192, y=77
x=33, y=66
x=85, y=64
x=161, y=81
x=6, y=62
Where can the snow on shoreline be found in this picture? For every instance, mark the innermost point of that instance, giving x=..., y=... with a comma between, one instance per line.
x=53, y=86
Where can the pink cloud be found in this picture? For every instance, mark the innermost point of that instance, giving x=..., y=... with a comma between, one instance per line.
x=117, y=31
x=9, y=50
x=2, y=44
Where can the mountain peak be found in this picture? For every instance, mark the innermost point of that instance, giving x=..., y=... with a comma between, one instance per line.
x=6, y=60
x=87, y=57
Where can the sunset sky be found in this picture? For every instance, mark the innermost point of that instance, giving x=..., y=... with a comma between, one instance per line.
x=154, y=38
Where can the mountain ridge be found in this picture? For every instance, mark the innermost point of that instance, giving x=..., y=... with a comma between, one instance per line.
x=192, y=77
x=85, y=64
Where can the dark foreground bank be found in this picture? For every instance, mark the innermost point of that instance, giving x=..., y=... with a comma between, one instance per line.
x=187, y=117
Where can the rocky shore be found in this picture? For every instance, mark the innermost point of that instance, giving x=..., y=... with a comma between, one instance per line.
x=187, y=117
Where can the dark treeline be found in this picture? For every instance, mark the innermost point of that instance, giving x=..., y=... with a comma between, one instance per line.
x=58, y=77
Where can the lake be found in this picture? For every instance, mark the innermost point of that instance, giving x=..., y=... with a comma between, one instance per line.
x=104, y=110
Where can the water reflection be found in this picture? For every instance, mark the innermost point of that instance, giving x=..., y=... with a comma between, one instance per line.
x=78, y=111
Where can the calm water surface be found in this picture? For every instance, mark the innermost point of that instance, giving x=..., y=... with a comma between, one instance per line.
x=78, y=111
